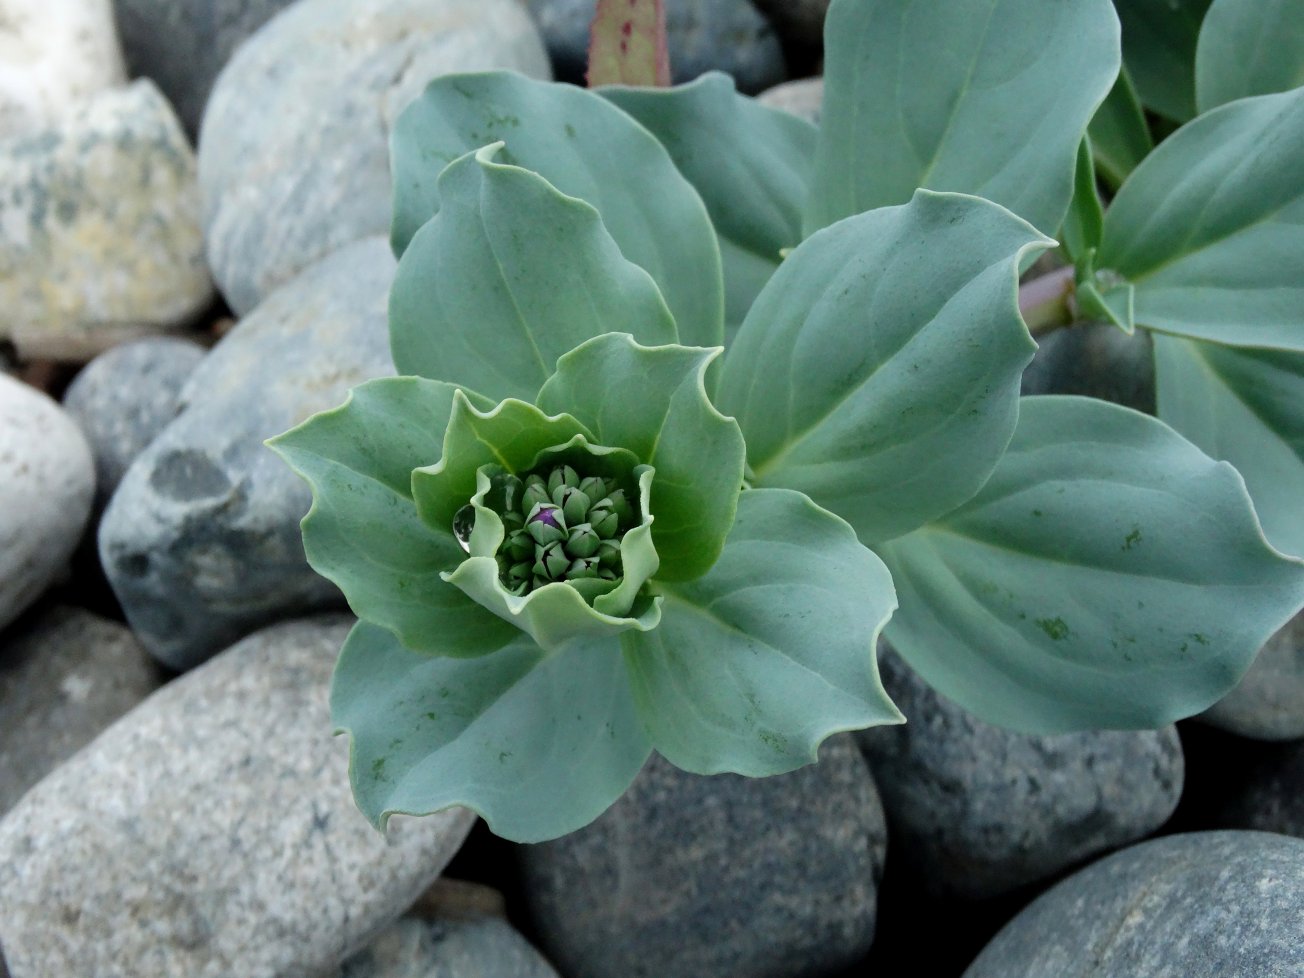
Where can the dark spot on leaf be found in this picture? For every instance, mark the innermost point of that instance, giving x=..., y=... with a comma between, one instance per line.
x=1132, y=538
x=1055, y=628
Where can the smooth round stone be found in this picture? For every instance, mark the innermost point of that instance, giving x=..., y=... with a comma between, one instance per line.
x=52, y=56
x=800, y=21
x=183, y=44
x=466, y=947
x=1204, y=905
x=702, y=35
x=201, y=541
x=803, y=98
x=124, y=397
x=1095, y=360
x=211, y=831
x=716, y=877
x=47, y=481
x=99, y=228
x=1269, y=702
x=63, y=678
x=976, y=810
x=294, y=150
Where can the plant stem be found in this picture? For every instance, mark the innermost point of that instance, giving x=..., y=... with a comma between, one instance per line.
x=1045, y=302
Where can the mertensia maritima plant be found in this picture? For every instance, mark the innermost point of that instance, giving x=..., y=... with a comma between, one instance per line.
x=693, y=396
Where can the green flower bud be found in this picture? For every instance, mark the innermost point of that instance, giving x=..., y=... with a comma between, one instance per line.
x=609, y=554
x=582, y=568
x=534, y=493
x=624, y=511
x=574, y=504
x=594, y=488
x=562, y=475
x=582, y=541
x=512, y=521
x=552, y=562
x=518, y=577
x=518, y=546
x=604, y=520
x=546, y=523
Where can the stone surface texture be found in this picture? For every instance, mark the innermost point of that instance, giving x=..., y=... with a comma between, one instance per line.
x=1204, y=905
x=1095, y=360
x=725, y=35
x=719, y=877
x=125, y=397
x=211, y=833
x=183, y=44
x=1269, y=702
x=47, y=481
x=483, y=947
x=52, y=56
x=803, y=98
x=201, y=541
x=99, y=228
x=64, y=677
x=976, y=810
x=294, y=154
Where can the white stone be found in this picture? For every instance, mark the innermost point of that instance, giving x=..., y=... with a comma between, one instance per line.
x=47, y=480
x=99, y=228
x=53, y=54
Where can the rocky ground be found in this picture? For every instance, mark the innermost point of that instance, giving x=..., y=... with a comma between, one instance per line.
x=192, y=237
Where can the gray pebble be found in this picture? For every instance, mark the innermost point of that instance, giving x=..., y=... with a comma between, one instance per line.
x=1269, y=702
x=294, y=149
x=719, y=877
x=212, y=833
x=1204, y=905
x=977, y=810
x=183, y=44
x=483, y=947
x=702, y=35
x=99, y=228
x=803, y=98
x=126, y=396
x=201, y=540
x=1095, y=360
x=64, y=678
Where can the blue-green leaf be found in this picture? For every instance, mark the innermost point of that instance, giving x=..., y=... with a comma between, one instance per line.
x=1249, y=47
x=1159, y=38
x=1208, y=229
x=1120, y=138
x=751, y=165
x=652, y=401
x=773, y=650
x=985, y=97
x=879, y=370
x=363, y=531
x=1109, y=575
x=538, y=744
x=509, y=276
x=1245, y=406
x=586, y=148
x=1083, y=223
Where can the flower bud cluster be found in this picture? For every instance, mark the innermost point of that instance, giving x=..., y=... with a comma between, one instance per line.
x=561, y=527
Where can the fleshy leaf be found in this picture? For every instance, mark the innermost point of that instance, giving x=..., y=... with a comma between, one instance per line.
x=1082, y=224
x=751, y=164
x=773, y=650
x=653, y=402
x=1245, y=406
x=1248, y=47
x=538, y=744
x=1159, y=38
x=1120, y=138
x=1109, y=575
x=1208, y=227
x=363, y=532
x=951, y=95
x=511, y=435
x=509, y=276
x=627, y=44
x=586, y=148
x=879, y=370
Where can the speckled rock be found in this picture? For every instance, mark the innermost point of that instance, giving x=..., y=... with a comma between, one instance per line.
x=800, y=21
x=1095, y=360
x=720, y=877
x=54, y=55
x=294, y=153
x=125, y=397
x=99, y=228
x=725, y=35
x=1205, y=905
x=183, y=44
x=976, y=810
x=803, y=98
x=63, y=678
x=47, y=481
x=1269, y=702
x=211, y=833
x=201, y=541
